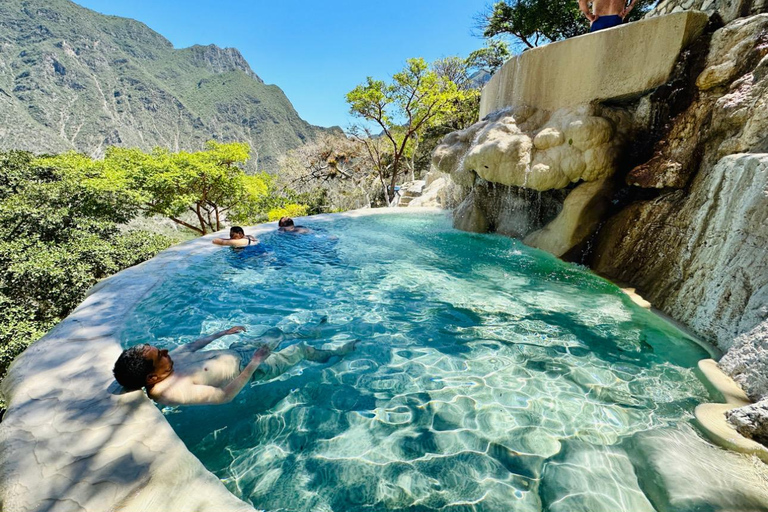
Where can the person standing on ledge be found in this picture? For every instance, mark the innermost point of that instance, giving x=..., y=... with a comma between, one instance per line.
x=236, y=238
x=605, y=13
x=188, y=375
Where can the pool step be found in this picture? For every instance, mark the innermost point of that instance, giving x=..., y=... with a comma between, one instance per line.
x=679, y=471
x=594, y=478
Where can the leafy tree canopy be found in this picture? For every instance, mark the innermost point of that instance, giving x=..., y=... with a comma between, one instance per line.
x=60, y=232
x=417, y=97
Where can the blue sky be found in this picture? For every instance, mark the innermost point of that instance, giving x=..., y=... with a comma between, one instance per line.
x=316, y=51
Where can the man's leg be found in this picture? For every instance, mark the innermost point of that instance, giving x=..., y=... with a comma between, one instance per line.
x=279, y=362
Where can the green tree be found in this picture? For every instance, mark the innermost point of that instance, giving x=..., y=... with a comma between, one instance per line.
x=535, y=22
x=416, y=99
x=60, y=232
x=210, y=184
x=490, y=57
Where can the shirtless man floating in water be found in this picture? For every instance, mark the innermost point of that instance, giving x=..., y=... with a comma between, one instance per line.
x=605, y=13
x=188, y=375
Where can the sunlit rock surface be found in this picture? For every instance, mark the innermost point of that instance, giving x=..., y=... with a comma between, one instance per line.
x=519, y=160
x=535, y=149
x=722, y=480
x=698, y=253
x=582, y=211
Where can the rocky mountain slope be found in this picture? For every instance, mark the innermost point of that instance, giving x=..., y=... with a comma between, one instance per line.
x=71, y=78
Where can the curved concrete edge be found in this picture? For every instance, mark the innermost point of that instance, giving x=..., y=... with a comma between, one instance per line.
x=711, y=417
x=73, y=440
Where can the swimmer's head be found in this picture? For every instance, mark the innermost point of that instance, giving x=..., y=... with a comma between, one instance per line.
x=236, y=233
x=285, y=222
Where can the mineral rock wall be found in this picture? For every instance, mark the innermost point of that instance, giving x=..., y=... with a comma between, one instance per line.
x=522, y=162
x=677, y=180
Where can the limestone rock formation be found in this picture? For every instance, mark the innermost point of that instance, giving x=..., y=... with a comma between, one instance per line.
x=582, y=211
x=747, y=361
x=533, y=149
x=698, y=253
x=521, y=163
x=700, y=257
x=751, y=421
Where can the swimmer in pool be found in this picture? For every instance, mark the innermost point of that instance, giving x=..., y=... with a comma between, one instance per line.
x=286, y=225
x=237, y=238
x=188, y=375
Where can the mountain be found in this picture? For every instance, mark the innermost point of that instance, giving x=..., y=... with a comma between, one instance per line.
x=71, y=78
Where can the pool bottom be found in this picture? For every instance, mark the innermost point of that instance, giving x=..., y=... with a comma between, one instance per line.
x=484, y=368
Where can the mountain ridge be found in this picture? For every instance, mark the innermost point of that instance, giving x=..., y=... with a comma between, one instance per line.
x=72, y=78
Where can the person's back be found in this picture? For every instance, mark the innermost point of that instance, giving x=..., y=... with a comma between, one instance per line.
x=605, y=13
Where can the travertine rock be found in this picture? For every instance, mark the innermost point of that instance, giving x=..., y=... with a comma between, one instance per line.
x=699, y=254
x=468, y=216
x=747, y=361
x=582, y=211
x=699, y=257
x=751, y=421
x=534, y=149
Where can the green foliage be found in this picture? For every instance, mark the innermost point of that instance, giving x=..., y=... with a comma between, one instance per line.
x=59, y=234
x=490, y=57
x=289, y=210
x=210, y=185
x=418, y=97
x=535, y=22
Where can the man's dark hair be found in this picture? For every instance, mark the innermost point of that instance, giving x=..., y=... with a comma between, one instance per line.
x=285, y=222
x=236, y=230
x=131, y=368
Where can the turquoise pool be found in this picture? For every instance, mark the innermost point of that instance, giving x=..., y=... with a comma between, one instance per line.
x=487, y=376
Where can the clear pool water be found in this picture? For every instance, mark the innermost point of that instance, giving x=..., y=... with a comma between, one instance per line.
x=485, y=369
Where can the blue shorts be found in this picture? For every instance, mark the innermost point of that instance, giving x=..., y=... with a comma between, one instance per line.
x=606, y=22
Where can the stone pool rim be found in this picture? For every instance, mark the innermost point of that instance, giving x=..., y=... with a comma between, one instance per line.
x=73, y=439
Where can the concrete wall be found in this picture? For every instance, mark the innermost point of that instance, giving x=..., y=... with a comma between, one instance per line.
x=620, y=62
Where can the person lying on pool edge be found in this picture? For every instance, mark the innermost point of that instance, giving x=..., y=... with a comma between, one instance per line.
x=237, y=238
x=188, y=375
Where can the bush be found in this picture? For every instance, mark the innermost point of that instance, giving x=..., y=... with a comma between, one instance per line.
x=289, y=210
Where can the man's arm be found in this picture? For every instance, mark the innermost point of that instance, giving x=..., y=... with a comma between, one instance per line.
x=627, y=9
x=584, y=8
x=240, y=242
x=196, y=345
x=208, y=395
